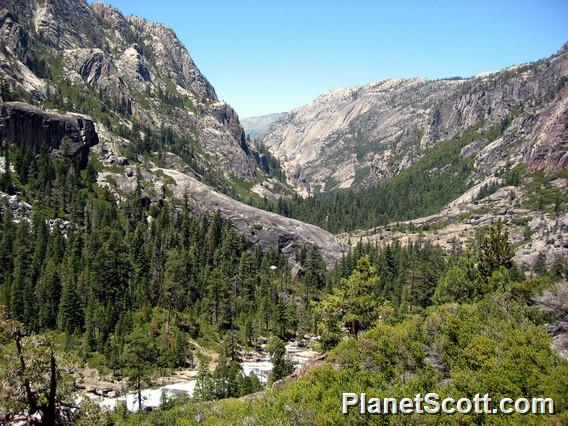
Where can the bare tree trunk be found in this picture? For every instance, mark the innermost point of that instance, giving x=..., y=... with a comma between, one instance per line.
x=355, y=328
x=49, y=415
x=32, y=400
x=139, y=388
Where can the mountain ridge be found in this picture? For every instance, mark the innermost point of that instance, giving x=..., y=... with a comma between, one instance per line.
x=255, y=126
x=152, y=108
x=358, y=136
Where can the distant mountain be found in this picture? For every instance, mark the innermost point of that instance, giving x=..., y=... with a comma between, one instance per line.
x=159, y=123
x=357, y=137
x=413, y=159
x=257, y=126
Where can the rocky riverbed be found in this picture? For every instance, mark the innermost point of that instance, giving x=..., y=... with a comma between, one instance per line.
x=182, y=382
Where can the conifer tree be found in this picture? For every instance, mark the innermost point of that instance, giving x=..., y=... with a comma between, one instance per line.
x=138, y=354
x=495, y=251
x=48, y=295
x=281, y=365
x=21, y=280
x=356, y=302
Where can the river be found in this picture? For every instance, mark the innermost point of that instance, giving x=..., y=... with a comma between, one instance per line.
x=152, y=397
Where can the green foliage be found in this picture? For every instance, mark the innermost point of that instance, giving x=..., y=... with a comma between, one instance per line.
x=228, y=379
x=137, y=355
x=543, y=196
x=422, y=189
x=171, y=98
x=274, y=167
x=408, y=275
x=454, y=286
x=36, y=379
x=281, y=366
x=119, y=280
x=495, y=252
x=355, y=303
x=514, y=176
x=487, y=190
x=496, y=345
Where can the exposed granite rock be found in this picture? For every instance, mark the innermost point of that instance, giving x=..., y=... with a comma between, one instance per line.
x=93, y=66
x=18, y=209
x=258, y=226
x=15, y=54
x=66, y=23
x=272, y=189
x=555, y=303
x=15, y=37
x=548, y=146
x=360, y=136
x=172, y=57
x=531, y=232
x=142, y=69
x=261, y=228
x=24, y=124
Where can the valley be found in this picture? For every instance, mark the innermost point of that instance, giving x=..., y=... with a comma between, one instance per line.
x=163, y=261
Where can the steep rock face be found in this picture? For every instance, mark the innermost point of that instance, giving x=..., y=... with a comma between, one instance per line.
x=25, y=124
x=548, y=146
x=172, y=56
x=15, y=38
x=141, y=67
x=144, y=78
x=359, y=136
x=262, y=228
x=66, y=23
x=15, y=52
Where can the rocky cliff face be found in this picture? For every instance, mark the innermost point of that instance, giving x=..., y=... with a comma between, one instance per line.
x=63, y=134
x=143, y=87
x=140, y=67
x=358, y=136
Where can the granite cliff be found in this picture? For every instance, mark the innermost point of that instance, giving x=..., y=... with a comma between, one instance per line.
x=63, y=134
x=356, y=137
x=152, y=110
x=138, y=69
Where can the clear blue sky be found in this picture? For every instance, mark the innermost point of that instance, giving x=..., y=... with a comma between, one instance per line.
x=274, y=55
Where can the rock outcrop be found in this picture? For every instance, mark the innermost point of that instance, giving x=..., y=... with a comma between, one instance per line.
x=355, y=137
x=261, y=228
x=139, y=69
x=63, y=134
x=532, y=234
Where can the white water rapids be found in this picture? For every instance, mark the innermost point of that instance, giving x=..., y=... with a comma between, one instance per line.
x=152, y=397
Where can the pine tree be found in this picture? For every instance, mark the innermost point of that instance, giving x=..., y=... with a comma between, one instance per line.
x=314, y=273
x=356, y=302
x=204, y=385
x=540, y=267
x=21, y=279
x=48, y=295
x=6, y=254
x=138, y=354
x=281, y=365
x=6, y=184
x=495, y=251
x=559, y=268
x=70, y=316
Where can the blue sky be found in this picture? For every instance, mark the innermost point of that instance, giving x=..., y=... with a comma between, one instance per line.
x=271, y=56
